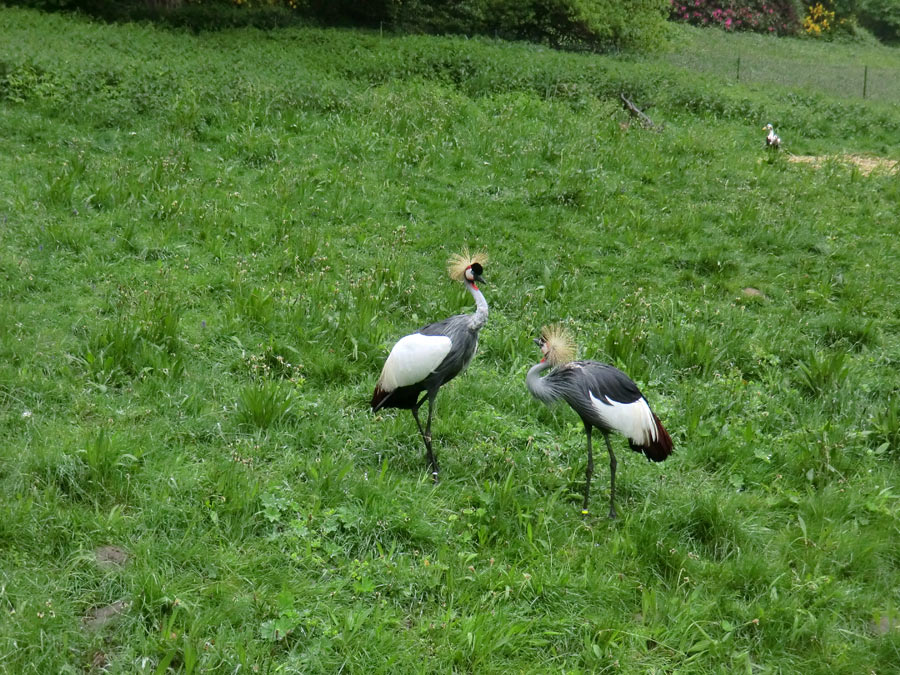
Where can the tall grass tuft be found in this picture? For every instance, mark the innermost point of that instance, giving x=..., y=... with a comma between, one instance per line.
x=263, y=405
x=885, y=430
x=820, y=373
x=142, y=340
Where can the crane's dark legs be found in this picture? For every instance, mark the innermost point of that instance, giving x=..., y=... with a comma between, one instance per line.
x=426, y=434
x=612, y=478
x=589, y=471
x=415, y=412
x=432, y=460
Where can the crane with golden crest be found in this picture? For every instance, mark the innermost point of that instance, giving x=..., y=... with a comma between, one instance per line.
x=603, y=396
x=421, y=363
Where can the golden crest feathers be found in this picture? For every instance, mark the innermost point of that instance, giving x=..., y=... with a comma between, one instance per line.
x=560, y=344
x=457, y=264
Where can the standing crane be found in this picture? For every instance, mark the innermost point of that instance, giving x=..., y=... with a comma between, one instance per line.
x=773, y=140
x=603, y=396
x=434, y=354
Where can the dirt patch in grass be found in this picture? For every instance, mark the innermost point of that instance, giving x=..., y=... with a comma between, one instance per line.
x=884, y=625
x=99, y=661
x=866, y=164
x=111, y=556
x=98, y=617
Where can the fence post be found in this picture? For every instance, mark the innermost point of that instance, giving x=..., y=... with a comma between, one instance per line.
x=865, y=80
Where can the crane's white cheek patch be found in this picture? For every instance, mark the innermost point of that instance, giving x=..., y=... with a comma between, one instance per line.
x=634, y=420
x=412, y=359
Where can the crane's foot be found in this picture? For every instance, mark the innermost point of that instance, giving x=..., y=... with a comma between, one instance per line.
x=612, y=513
x=430, y=458
x=433, y=465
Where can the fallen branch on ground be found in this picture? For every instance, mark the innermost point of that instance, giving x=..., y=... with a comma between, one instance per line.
x=646, y=122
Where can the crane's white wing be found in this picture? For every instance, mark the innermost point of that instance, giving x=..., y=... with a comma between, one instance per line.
x=412, y=359
x=633, y=420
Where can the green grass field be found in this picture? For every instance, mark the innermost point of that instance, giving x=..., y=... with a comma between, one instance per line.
x=208, y=244
x=846, y=70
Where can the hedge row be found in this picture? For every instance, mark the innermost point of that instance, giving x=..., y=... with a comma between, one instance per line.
x=593, y=24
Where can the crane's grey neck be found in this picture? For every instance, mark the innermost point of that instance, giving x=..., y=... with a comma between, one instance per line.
x=539, y=387
x=479, y=318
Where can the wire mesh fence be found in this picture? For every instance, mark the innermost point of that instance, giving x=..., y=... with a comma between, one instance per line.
x=841, y=80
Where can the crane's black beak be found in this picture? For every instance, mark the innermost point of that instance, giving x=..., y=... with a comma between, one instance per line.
x=478, y=278
x=537, y=341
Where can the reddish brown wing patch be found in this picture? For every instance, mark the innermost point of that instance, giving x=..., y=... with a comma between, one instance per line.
x=662, y=447
x=659, y=449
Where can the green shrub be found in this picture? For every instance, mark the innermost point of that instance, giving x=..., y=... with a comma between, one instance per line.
x=882, y=17
x=603, y=23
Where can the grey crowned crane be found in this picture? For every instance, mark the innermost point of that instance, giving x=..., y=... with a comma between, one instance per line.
x=604, y=397
x=773, y=140
x=422, y=362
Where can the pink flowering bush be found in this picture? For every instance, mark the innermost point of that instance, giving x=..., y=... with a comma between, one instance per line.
x=778, y=17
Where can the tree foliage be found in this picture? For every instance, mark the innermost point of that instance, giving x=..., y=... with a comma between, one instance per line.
x=882, y=17
x=592, y=24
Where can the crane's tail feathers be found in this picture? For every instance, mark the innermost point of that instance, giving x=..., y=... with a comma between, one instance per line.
x=402, y=397
x=660, y=447
x=379, y=398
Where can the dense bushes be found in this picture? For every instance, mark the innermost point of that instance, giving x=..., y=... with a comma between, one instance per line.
x=815, y=18
x=194, y=14
x=602, y=23
x=780, y=17
x=882, y=17
x=593, y=24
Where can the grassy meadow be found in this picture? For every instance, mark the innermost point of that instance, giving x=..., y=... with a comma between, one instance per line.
x=846, y=70
x=208, y=244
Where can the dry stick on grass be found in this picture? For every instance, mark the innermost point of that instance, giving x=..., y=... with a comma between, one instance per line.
x=646, y=122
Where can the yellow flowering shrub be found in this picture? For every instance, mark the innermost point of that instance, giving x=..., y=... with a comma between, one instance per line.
x=818, y=20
